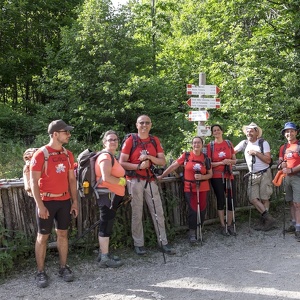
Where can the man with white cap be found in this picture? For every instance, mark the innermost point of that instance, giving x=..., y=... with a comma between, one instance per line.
x=258, y=158
x=289, y=161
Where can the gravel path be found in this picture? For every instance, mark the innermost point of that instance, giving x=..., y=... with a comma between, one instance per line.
x=254, y=265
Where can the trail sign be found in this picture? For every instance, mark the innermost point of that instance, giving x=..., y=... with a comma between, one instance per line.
x=200, y=115
x=203, y=130
x=204, y=102
x=202, y=89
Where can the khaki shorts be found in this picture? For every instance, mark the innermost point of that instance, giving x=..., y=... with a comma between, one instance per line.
x=292, y=188
x=262, y=187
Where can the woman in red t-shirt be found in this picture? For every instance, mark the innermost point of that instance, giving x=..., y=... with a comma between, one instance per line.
x=197, y=172
x=221, y=153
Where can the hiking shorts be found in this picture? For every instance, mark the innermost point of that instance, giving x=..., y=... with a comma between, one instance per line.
x=292, y=188
x=59, y=213
x=262, y=187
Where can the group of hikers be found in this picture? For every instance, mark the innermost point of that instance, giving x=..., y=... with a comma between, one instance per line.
x=55, y=193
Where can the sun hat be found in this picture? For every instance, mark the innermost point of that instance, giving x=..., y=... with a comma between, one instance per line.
x=254, y=126
x=289, y=125
x=58, y=125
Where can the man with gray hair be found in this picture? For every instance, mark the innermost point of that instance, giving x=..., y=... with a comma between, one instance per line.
x=258, y=158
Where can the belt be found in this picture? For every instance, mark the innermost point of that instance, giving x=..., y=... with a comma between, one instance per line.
x=54, y=195
x=261, y=172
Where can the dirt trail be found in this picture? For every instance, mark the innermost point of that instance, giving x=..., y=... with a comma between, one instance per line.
x=260, y=265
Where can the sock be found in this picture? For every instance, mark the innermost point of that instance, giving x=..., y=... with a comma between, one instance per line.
x=264, y=213
x=297, y=227
x=293, y=223
x=104, y=256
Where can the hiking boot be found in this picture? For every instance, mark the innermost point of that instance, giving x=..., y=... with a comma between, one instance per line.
x=66, y=273
x=260, y=225
x=192, y=236
x=41, y=279
x=140, y=250
x=114, y=257
x=297, y=236
x=223, y=231
x=168, y=249
x=269, y=222
x=230, y=230
x=290, y=229
x=110, y=263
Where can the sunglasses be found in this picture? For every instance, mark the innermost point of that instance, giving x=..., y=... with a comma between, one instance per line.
x=112, y=140
x=144, y=123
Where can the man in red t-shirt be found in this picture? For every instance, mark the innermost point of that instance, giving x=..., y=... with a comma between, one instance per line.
x=141, y=183
x=53, y=185
x=289, y=158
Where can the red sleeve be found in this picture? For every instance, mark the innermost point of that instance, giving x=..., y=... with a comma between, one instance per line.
x=159, y=147
x=126, y=148
x=281, y=151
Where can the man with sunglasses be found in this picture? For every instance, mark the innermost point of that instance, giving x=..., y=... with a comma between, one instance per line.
x=54, y=191
x=141, y=184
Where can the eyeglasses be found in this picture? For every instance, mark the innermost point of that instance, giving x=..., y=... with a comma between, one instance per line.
x=144, y=123
x=66, y=131
x=112, y=140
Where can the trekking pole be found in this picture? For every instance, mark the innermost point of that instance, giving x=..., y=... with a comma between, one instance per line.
x=250, y=190
x=232, y=207
x=226, y=206
x=156, y=218
x=199, y=223
x=283, y=229
x=86, y=232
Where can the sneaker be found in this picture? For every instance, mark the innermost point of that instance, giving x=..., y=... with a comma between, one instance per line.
x=114, y=257
x=66, y=273
x=290, y=229
x=230, y=230
x=140, y=250
x=168, y=249
x=110, y=263
x=41, y=279
x=223, y=231
x=297, y=235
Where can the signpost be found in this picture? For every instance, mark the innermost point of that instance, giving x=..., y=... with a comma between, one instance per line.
x=200, y=102
x=204, y=102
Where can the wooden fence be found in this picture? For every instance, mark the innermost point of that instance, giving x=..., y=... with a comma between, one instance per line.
x=17, y=209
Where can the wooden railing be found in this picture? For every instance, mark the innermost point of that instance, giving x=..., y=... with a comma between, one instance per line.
x=17, y=209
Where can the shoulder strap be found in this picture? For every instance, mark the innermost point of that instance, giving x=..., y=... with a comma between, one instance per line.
x=46, y=157
x=261, y=145
x=112, y=157
x=186, y=158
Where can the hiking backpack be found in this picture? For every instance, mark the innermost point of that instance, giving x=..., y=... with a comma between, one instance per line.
x=27, y=156
x=298, y=148
x=207, y=161
x=86, y=173
x=261, y=146
x=135, y=141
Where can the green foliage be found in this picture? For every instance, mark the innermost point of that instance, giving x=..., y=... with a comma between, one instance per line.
x=14, y=249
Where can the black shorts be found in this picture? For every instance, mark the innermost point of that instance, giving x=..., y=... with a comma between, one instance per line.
x=59, y=213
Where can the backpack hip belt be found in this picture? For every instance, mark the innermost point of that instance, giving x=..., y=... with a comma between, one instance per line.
x=262, y=171
x=53, y=195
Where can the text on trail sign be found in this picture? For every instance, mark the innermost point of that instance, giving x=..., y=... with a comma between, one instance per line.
x=202, y=89
x=204, y=102
x=200, y=115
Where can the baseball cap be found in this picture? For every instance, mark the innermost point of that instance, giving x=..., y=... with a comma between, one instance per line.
x=58, y=125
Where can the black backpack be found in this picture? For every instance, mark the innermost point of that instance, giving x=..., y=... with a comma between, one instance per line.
x=86, y=173
x=261, y=146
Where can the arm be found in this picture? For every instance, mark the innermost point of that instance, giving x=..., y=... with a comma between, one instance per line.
x=265, y=157
x=207, y=176
x=130, y=166
x=73, y=192
x=105, y=167
x=159, y=160
x=169, y=170
x=43, y=212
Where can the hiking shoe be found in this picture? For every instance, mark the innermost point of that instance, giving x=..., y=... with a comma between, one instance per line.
x=223, y=231
x=269, y=222
x=192, y=236
x=230, y=230
x=140, y=250
x=110, y=263
x=114, y=257
x=41, y=279
x=66, y=273
x=290, y=229
x=168, y=249
x=297, y=235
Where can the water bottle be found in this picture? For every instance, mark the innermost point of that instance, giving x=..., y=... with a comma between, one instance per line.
x=86, y=187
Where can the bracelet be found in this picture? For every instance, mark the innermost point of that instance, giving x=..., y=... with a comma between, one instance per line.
x=122, y=181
